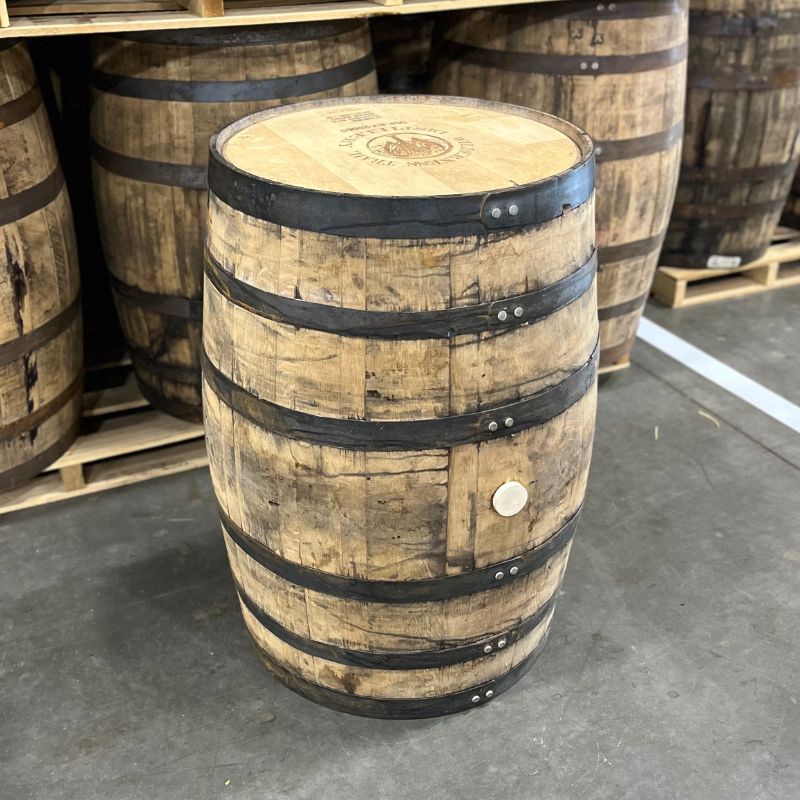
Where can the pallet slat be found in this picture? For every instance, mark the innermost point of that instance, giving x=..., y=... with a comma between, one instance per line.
x=779, y=267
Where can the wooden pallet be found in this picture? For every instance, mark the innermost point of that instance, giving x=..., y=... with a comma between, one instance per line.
x=123, y=440
x=59, y=17
x=780, y=266
x=611, y=368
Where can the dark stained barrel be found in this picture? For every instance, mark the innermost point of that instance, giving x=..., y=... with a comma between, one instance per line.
x=617, y=70
x=741, y=147
x=400, y=340
x=40, y=321
x=158, y=98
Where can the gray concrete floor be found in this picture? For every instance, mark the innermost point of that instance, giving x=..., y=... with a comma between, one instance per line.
x=671, y=672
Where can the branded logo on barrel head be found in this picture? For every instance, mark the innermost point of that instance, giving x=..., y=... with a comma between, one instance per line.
x=409, y=144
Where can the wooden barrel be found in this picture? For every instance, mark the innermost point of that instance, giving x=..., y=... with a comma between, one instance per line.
x=40, y=322
x=402, y=47
x=742, y=123
x=618, y=71
x=399, y=378
x=158, y=98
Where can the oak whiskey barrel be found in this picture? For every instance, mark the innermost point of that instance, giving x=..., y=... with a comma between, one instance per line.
x=402, y=46
x=399, y=378
x=158, y=98
x=741, y=147
x=617, y=70
x=40, y=322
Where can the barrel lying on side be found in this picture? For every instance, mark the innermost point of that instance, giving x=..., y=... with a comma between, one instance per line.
x=616, y=69
x=400, y=341
x=158, y=99
x=742, y=123
x=40, y=322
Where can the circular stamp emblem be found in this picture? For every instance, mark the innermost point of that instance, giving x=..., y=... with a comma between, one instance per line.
x=409, y=145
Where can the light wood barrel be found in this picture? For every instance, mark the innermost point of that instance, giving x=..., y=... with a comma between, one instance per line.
x=742, y=123
x=399, y=378
x=158, y=98
x=616, y=69
x=40, y=321
x=402, y=47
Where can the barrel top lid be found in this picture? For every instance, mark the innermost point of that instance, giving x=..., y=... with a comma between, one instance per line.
x=406, y=147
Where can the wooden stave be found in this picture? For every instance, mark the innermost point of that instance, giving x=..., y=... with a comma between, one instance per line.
x=378, y=700
x=167, y=345
x=620, y=279
x=722, y=208
x=42, y=368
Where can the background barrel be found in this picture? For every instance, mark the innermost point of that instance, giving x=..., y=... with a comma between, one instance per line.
x=402, y=47
x=40, y=322
x=791, y=211
x=618, y=71
x=158, y=98
x=742, y=122
x=400, y=352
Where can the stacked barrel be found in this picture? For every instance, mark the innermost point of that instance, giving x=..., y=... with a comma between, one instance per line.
x=616, y=69
x=158, y=99
x=742, y=140
x=41, y=358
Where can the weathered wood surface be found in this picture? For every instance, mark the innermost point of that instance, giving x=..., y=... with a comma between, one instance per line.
x=418, y=512
x=158, y=99
x=402, y=52
x=616, y=70
x=742, y=123
x=40, y=322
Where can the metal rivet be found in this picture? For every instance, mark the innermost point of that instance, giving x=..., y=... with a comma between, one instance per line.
x=487, y=649
x=612, y=6
x=496, y=212
x=513, y=210
x=493, y=426
x=501, y=644
x=600, y=6
x=519, y=311
x=476, y=698
x=595, y=65
x=489, y=694
x=508, y=422
x=502, y=315
x=584, y=65
x=498, y=576
x=598, y=151
x=513, y=570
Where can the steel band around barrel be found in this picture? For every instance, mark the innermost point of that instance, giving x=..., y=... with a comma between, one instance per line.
x=557, y=64
x=287, y=33
x=613, y=254
x=419, y=659
x=510, y=312
x=45, y=411
x=17, y=206
x=397, y=708
x=721, y=211
x=179, y=373
x=592, y=10
x=20, y=108
x=424, y=434
x=415, y=591
x=234, y=91
x=742, y=80
x=728, y=175
x=164, y=304
x=710, y=23
x=33, y=340
x=619, y=149
x=703, y=248
x=149, y=171
x=628, y=307
x=381, y=217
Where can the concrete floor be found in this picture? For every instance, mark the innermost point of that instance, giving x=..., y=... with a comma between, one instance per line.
x=671, y=672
